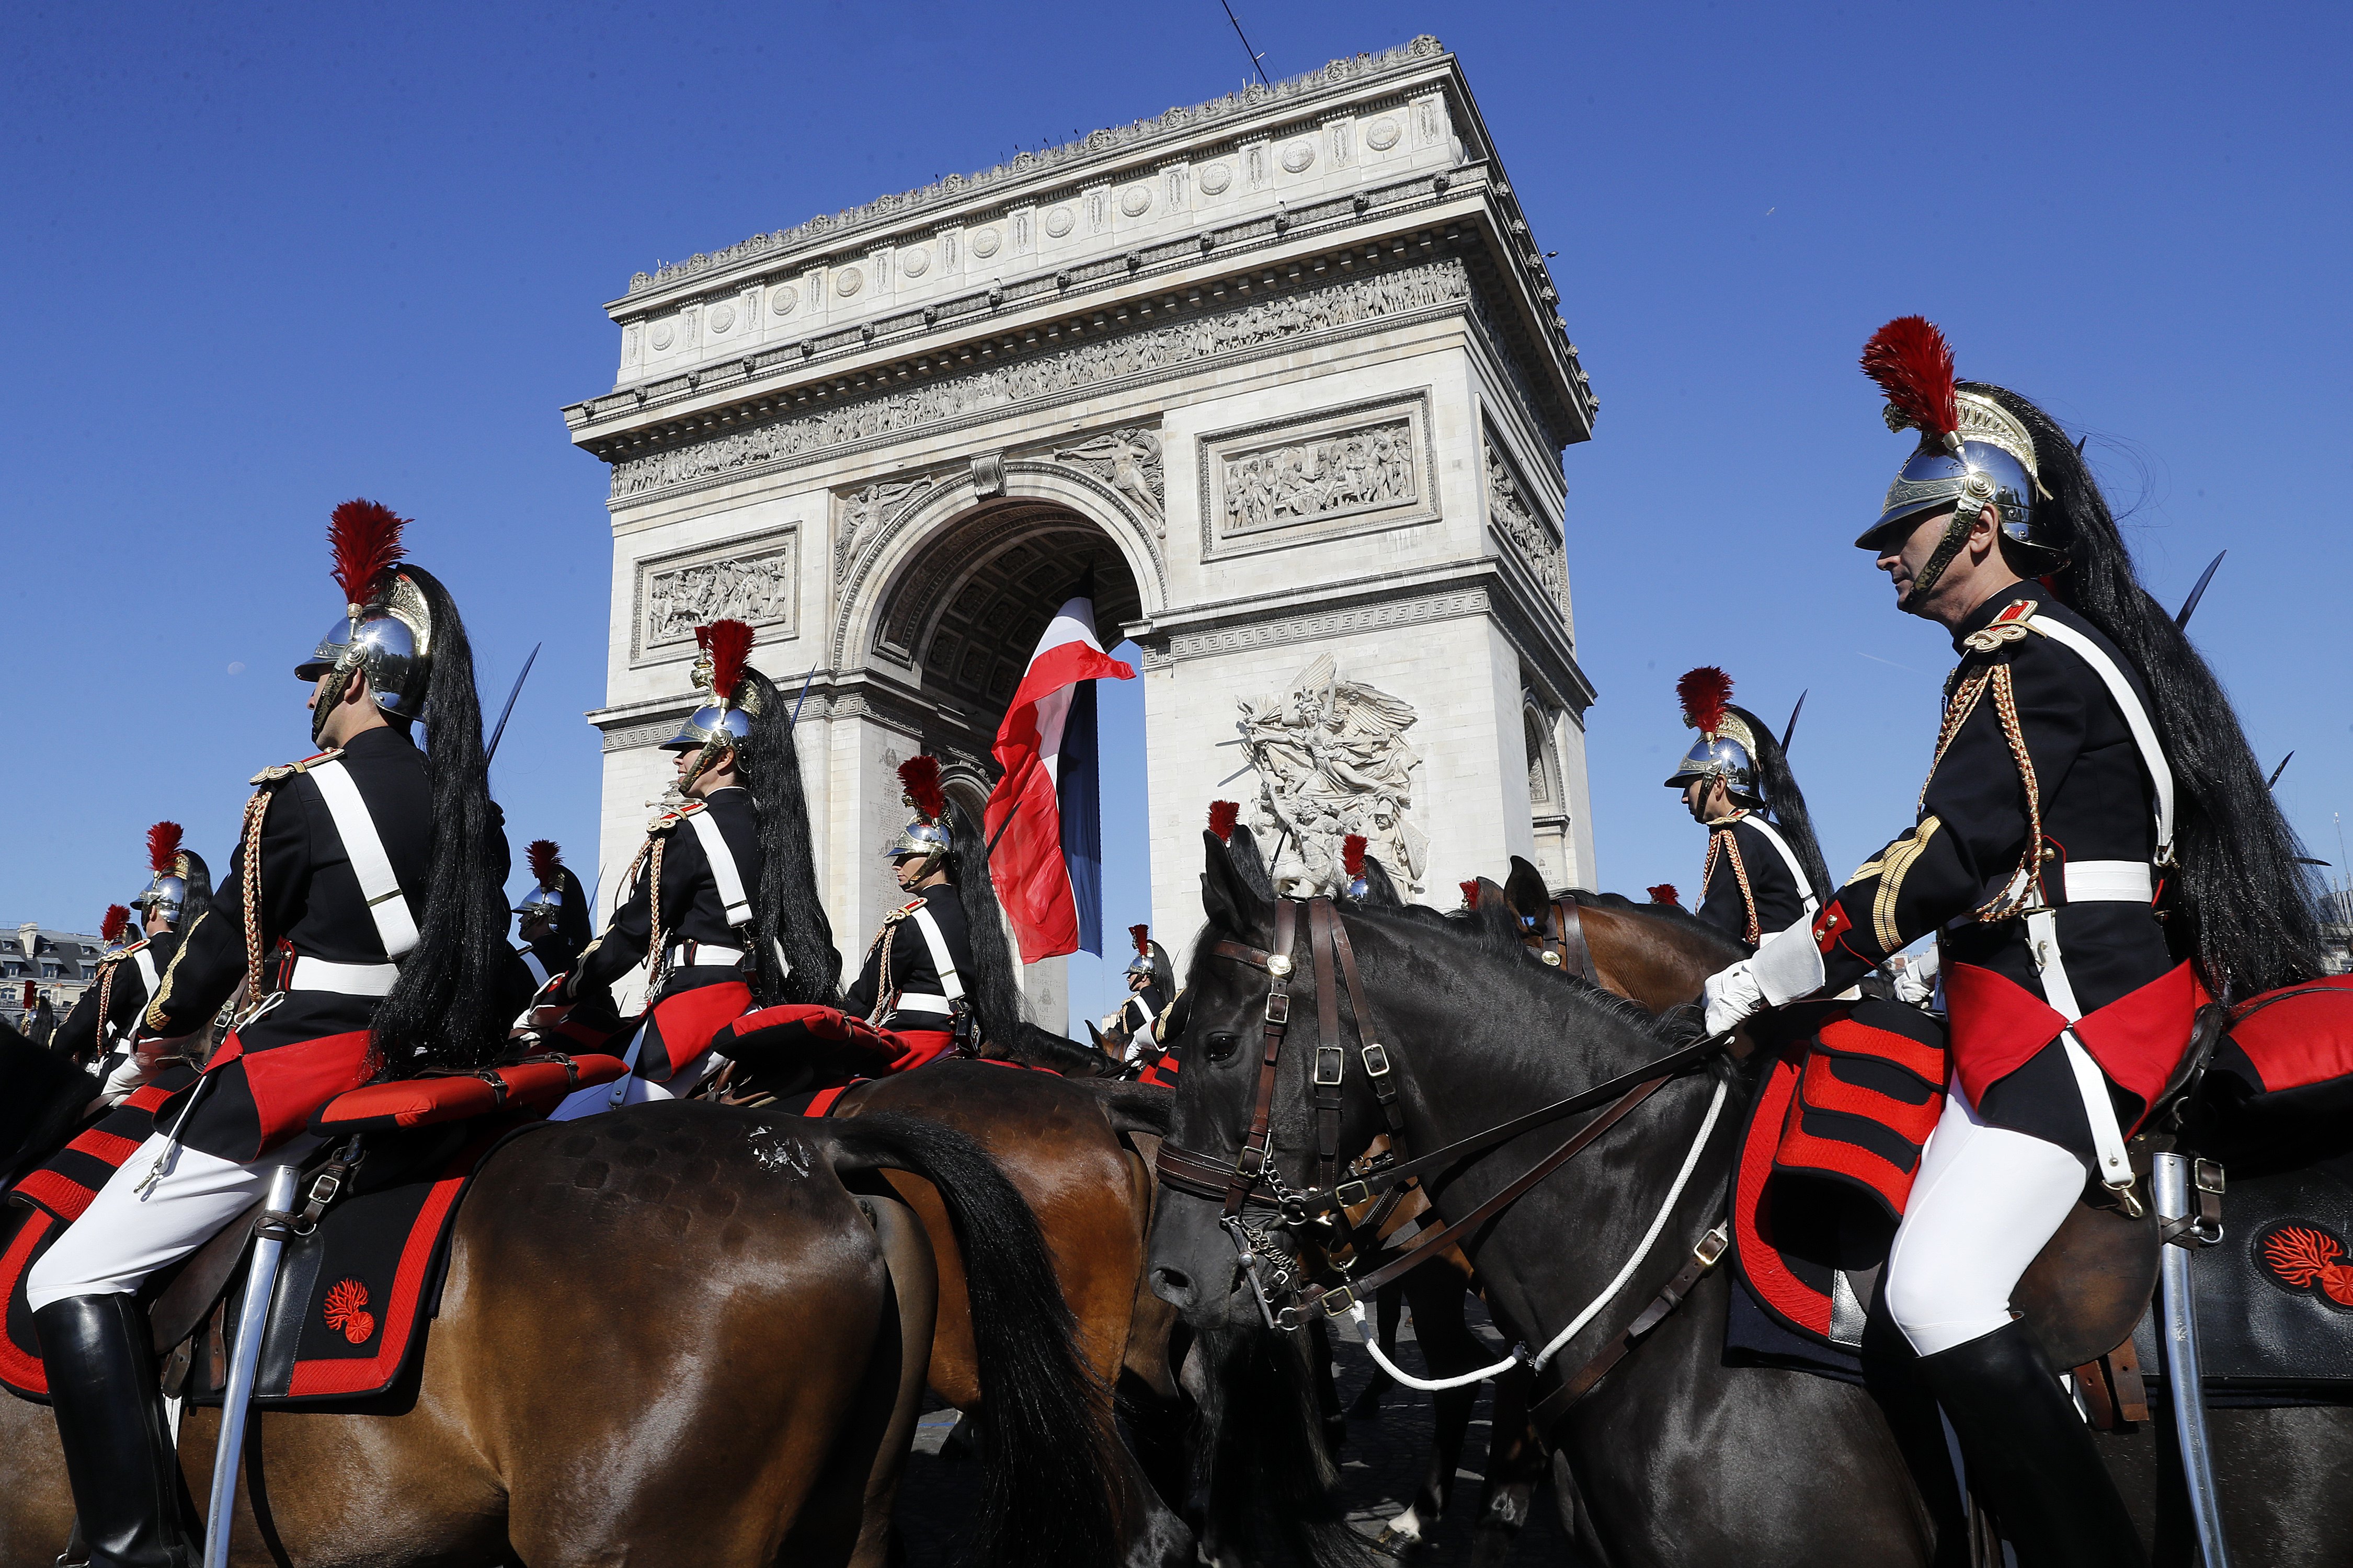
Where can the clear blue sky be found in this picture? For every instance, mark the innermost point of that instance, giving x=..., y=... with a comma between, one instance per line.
x=261, y=259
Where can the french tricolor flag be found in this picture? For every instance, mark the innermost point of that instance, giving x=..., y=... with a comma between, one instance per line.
x=1045, y=819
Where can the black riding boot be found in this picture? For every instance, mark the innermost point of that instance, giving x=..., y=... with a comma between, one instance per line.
x=110, y=1414
x=2030, y=1454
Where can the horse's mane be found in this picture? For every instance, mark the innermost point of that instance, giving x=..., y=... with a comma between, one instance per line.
x=1678, y=1026
x=1673, y=913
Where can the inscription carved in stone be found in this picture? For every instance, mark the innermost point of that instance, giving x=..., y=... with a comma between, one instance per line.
x=1516, y=523
x=759, y=585
x=1353, y=470
x=1332, y=760
x=1152, y=350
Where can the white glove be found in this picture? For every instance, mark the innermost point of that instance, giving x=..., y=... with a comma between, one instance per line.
x=125, y=1081
x=1732, y=996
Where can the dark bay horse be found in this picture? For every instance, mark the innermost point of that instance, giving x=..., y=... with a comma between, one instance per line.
x=1674, y=1458
x=675, y=1333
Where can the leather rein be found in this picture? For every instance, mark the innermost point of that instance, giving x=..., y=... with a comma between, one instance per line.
x=1235, y=1186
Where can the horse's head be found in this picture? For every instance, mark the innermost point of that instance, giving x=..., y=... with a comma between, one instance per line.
x=1289, y=1029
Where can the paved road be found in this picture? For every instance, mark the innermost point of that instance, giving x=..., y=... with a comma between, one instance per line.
x=1379, y=1468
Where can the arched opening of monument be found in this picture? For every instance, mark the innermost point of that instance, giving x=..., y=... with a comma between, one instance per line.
x=966, y=613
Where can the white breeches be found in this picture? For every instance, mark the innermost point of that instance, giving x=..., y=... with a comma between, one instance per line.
x=631, y=1090
x=126, y=1234
x=1985, y=1202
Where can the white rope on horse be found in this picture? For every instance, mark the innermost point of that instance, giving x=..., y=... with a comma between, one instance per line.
x=1650, y=1239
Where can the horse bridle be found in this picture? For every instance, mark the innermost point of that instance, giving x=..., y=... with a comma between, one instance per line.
x=1235, y=1186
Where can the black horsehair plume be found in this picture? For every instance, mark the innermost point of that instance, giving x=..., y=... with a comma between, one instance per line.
x=787, y=912
x=446, y=1005
x=2252, y=918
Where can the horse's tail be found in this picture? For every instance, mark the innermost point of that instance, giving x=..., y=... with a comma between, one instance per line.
x=1047, y=1458
x=1133, y=1107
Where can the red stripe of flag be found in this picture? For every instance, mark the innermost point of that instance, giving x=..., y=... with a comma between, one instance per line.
x=1024, y=818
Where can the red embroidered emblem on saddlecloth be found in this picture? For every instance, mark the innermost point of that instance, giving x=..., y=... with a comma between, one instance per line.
x=346, y=1309
x=2301, y=1256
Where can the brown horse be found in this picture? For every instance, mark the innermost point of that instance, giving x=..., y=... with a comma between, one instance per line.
x=1060, y=1141
x=675, y=1333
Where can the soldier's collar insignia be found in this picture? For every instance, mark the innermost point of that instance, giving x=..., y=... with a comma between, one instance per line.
x=2005, y=628
x=288, y=770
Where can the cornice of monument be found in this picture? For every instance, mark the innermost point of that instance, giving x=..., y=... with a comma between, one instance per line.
x=1252, y=108
x=1125, y=271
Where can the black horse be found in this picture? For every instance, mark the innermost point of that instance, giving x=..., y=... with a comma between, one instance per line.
x=1674, y=1458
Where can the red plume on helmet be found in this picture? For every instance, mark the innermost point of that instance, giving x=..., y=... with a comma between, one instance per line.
x=546, y=858
x=919, y=776
x=365, y=538
x=1665, y=893
x=1469, y=893
x=163, y=848
x=1706, y=693
x=1142, y=937
x=1223, y=815
x=1352, y=855
x=1914, y=365
x=729, y=644
x=117, y=922
x=32, y=996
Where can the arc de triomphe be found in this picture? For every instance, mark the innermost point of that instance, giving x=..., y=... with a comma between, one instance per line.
x=1284, y=369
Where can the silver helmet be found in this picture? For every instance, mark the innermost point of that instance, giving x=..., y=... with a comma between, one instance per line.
x=1973, y=452
x=545, y=899
x=166, y=892
x=928, y=834
x=1726, y=748
x=722, y=720
x=387, y=629
x=1150, y=964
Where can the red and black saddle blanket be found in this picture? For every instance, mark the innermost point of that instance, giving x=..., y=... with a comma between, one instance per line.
x=348, y=1314
x=1827, y=1157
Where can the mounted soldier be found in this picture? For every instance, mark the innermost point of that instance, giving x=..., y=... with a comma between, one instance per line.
x=723, y=896
x=1764, y=871
x=1129, y=1029
x=937, y=979
x=554, y=916
x=2097, y=851
x=362, y=919
x=103, y=1025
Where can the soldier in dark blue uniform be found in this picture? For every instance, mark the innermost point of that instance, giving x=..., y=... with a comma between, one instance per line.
x=363, y=919
x=1764, y=871
x=100, y=1028
x=722, y=897
x=2098, y=853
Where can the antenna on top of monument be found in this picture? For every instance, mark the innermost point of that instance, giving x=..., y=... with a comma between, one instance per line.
x=1254, y=55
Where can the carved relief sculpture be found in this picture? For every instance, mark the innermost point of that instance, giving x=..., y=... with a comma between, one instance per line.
x=1530, y=538
x=1350, y=471
x=757, y=588
x=1332, y=760
x=1151, y=352
x=857, y=513
x=1130, y=460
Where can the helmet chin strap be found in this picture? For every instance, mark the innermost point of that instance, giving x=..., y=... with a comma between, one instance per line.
x=1956, y=533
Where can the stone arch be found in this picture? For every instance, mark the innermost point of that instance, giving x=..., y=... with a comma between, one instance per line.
x=999, y=499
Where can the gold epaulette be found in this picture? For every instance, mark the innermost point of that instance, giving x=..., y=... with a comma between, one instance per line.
x=2005, y=627
x=288, y=770
x=902, y=912
x=670, y=816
